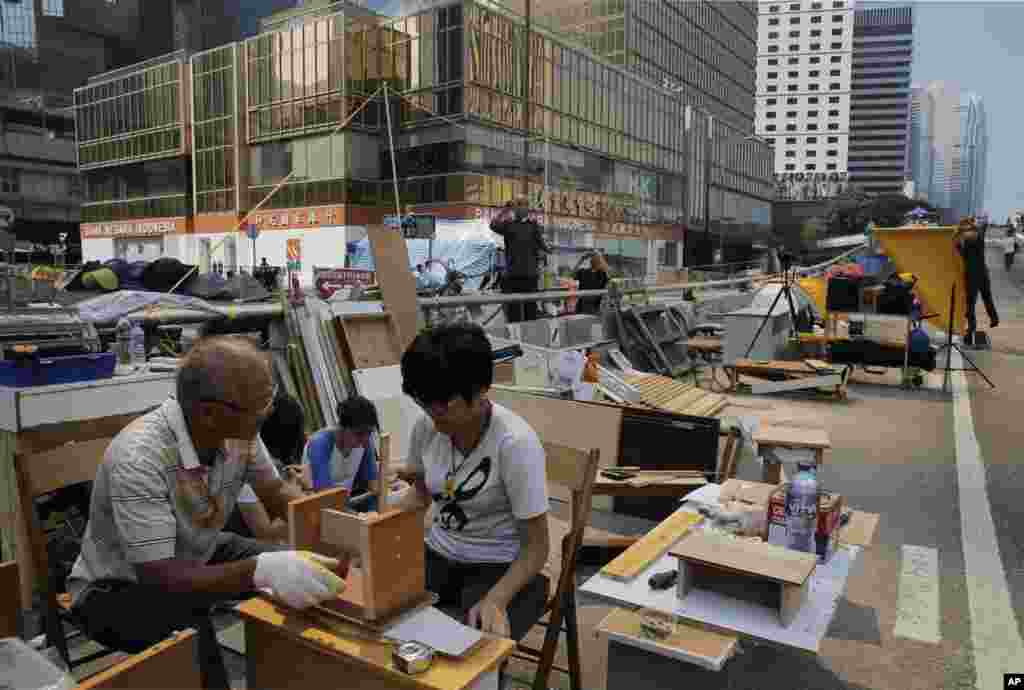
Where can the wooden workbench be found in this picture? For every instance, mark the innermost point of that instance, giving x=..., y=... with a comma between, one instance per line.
x=815, y=440
x=291, y=650
x=40, y=418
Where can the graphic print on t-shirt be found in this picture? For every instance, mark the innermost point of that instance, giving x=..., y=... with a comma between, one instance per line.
x=451, y=515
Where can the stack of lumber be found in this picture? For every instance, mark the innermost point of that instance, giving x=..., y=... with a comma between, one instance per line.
x=670, y=395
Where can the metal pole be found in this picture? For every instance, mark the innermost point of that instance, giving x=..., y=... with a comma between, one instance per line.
x=707, y=184
x=391, y=144
x=526, y=102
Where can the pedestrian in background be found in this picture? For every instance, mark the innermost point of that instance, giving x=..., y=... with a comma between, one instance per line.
x=594, y=278
x=1009, y=249
x=971, y=245
x=524, y=248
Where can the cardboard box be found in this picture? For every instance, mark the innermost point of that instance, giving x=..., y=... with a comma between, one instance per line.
x=738, y=496
x=830, y=508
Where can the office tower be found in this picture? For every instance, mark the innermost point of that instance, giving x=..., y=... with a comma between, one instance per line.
x=880, y=100
x=804, y=66
x=922, y=143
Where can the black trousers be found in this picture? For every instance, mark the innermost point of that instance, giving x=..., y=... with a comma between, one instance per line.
x=130, y=617
x=519, y=311
x=976, y=284
x=460, y=586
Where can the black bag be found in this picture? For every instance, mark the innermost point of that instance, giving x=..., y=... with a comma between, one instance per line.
x=844, y=294
x=897, y=297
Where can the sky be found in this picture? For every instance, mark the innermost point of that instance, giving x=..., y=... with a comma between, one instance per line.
x=979, y=45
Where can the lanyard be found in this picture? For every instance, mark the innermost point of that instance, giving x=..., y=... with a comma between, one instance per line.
x=449, y=482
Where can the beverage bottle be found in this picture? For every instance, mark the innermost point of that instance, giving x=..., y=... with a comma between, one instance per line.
x=802, y=509
x=138, y=345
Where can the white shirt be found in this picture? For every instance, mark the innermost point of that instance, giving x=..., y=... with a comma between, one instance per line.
x=344, y=465
x=503, y=481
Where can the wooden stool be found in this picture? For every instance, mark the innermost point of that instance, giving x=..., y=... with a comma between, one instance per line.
x=790, y=438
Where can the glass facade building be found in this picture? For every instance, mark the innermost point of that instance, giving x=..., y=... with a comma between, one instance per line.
x=612, y=158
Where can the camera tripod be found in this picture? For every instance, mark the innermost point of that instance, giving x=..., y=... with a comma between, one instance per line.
x=788, y=278
x=949, y=346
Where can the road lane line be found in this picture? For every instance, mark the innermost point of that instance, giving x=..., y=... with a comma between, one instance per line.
x=997, y=645
x=917, y=616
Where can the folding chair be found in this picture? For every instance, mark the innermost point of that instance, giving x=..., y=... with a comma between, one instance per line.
x=38, y=475
x=575, y=469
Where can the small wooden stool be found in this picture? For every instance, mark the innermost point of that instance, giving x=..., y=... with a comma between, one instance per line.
x=790, y=438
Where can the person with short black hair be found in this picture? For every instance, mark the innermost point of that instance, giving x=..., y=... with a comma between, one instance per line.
x=346, y=455
x=970, y=242
x=524, y=248
x=483, y=468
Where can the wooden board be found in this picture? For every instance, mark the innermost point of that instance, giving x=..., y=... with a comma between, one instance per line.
x=304, y=519
x=792, y=437
x=397, y=283
x=371, y=340
x=860, y=530
x=691, y=643
x=567, y=422
x=168, y=665
x=704, y=343
x=10, y=604
x=651, y=546
x=752, y=558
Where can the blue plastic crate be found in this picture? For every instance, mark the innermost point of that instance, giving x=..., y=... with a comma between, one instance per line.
x=873, y=265
x=49, y=371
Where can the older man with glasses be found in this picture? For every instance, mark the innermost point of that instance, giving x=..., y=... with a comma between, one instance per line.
x=154, y=557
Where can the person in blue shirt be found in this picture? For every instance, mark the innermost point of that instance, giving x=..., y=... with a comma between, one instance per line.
x=347, y=455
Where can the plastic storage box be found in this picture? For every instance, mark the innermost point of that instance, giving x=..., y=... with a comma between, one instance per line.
x=24, y=668
x=49, y=371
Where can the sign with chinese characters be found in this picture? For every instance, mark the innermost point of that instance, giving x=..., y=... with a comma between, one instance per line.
x=294, y=254
x=141, y=228
x=300, y=218
x=329, y=280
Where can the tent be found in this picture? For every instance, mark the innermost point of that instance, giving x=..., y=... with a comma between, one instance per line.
x=468, y=246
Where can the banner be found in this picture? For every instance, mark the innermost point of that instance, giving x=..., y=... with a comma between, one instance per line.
x=329, y=280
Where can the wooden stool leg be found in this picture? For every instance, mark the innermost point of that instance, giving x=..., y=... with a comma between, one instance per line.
x=572, y=638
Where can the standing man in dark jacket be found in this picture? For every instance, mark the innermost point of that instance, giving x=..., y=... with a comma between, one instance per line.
x=970, y=242
x=524, y=245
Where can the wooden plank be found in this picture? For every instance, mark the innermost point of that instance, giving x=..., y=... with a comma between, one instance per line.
x=758, y=559
x=304, y=518
x=652, y=546
x=684, y=401
x=394, y=562
x=567, y=422
x=797, y=384
x=691, y=643
x=168, y=665
x=792, y=437
x=70, y=464
x=397, y=284
x=10, y=603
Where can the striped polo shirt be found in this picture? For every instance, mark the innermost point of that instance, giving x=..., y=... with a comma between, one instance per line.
x=152, y=499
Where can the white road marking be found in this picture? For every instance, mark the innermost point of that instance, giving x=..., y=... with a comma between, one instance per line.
x=997, y=645
x=918, y=609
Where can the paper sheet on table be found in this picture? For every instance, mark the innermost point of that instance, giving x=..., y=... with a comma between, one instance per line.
x=436, y=629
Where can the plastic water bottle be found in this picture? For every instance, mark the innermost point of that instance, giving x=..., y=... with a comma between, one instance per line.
x=802, y=509
x=138, y=345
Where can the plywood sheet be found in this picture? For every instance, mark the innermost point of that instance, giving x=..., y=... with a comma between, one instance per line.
x=304, y=517
x=168, y=665
x=397, y=283
x=753, y=558
x=792, y=437
x=397, y=411
x=694, y=644
x=651, y=546
x=567, y=422
x=10, y=605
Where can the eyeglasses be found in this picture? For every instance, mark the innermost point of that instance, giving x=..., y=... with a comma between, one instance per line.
x=262, y=412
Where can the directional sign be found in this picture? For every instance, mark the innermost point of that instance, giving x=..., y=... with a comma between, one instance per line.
x=252, y=231
x=393, y=221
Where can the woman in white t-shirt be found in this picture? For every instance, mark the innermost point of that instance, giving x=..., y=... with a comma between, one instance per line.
x=483, y=468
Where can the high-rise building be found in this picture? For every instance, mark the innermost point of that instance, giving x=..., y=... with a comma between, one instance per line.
x=922, y=143
x=804, y=66
x=705, y=53
x=954, y=126
x=611, y=157
x=50, y=47
x=880, y=99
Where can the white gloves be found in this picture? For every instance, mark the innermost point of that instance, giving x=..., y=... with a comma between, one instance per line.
x=299, y=578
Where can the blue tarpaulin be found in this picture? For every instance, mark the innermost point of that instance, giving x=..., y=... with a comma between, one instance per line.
x=468, y=245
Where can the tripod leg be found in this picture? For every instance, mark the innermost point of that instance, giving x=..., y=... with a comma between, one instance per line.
x=974, y=367
x=764, y=322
